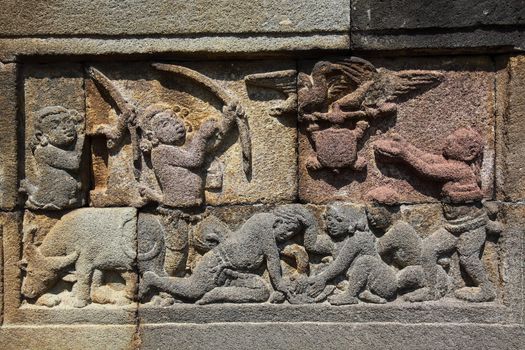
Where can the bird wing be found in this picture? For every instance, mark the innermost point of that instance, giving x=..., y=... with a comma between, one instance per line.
x=283, y=81
x=347, y=75
x=401, y=86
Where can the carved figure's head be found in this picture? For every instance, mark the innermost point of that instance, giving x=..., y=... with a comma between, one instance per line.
x=465, y=145
x=344, y=220
x=290, y=220
x=42, y=272
x=383, y=203
x=163, y=124
x=56, y=126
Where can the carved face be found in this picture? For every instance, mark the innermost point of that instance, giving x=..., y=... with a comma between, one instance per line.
x=285, y=229
x=168, y=128
x=42, y=272
x=378, y=217
x=464, y=145
x=338, y=225
x=59, y=128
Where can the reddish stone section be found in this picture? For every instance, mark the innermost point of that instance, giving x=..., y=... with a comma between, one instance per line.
x=419, y=101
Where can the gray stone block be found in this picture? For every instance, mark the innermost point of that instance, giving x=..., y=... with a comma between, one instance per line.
x=444, y=24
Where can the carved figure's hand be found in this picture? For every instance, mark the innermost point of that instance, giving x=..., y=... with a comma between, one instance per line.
x=317, y=285
x=394, y=147
x=362, y=124
x=209, y=128
x=232, y=111
x=130, y=116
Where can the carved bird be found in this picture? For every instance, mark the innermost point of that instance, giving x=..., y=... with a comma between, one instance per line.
x=283, y=81
x=353, y=87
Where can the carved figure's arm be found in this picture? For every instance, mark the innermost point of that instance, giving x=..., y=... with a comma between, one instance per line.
x=59, y=158
x=343, y=261
x=429, y=165
x=273, y=262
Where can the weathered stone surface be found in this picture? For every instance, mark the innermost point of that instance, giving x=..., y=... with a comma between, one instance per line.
x=212, y=47
x=80, y=262
x=222, y=167
x=8, y=137
x=338, y=335
x=423, y=26
x=406, y=14
x=511, y=98
x=64, y=336
x=405, y=238
x=55, y=176
x=425, y=116
x=74, y=18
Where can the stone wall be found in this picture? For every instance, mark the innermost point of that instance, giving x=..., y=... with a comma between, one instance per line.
x=266, y=175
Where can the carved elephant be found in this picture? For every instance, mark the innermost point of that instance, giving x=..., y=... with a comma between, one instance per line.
x=94, y=240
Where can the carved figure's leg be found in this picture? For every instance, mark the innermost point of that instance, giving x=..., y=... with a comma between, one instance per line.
x=193, y=287
x=382, y=283
x=131, y=284
x=438, y=243
x=371, y=279
x=469, y=247
x=243, y=290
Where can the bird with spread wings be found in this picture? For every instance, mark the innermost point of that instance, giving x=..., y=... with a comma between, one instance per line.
x=351, y=89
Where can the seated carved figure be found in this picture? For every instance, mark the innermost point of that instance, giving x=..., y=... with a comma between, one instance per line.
x=370, y=279
x=466, y=226
x=57, y=149
x=400, y=245
x=179, y=164
x=229, y=272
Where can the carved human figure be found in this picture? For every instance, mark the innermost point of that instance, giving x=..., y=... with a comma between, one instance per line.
x=457, y=170
x=228, y=272
x=179, y=164
x=370, y=279
x=399, y=244
x=57, y=149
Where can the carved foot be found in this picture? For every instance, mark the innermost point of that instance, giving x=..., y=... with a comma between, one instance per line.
x=422, y=294
x=313, y=164
x=145, y=283
x=476, y=294
x=79, y=303
x=360, y=164
x=342, y=299
x=369, y=297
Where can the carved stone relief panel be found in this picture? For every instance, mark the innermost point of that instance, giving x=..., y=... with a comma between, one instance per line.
x=337, y=190
x=55, y=173
x=340, y=254
x=350, y=108
x=215, y=150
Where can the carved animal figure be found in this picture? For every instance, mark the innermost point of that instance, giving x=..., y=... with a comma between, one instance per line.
x=91, y=239
x=335, y=101
x=57, y=149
